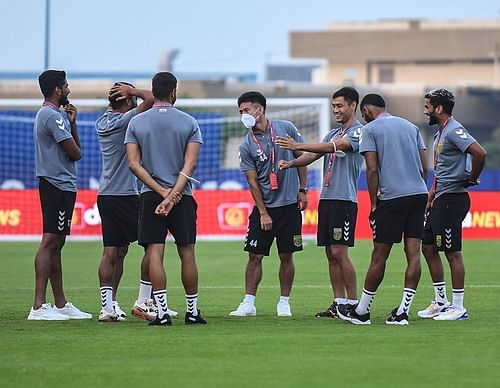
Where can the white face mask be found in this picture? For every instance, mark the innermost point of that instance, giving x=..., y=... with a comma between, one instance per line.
x=248, y=120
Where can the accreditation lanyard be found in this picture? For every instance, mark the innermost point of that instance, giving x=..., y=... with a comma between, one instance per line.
x=331, y=157
x=261, y=150
x=273, y=177
x=436, y=150
x=50, y=105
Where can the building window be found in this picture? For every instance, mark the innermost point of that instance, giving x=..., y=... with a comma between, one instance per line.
x=386, y=75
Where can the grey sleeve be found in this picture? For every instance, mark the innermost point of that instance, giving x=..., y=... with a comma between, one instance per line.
x=196, y=134
x=367, y=141
x=294, y=133
x=246, y=161
x=130, y=136
x=461, y=139
x=353, y=139
x=57, y=127
x=420, y=140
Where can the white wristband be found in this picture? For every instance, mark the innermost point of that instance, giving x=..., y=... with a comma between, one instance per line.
x=190, y=177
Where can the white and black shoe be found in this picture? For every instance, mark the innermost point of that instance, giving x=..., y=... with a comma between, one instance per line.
x=397, y=319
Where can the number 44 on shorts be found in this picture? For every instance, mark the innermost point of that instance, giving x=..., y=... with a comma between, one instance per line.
x=253, y=243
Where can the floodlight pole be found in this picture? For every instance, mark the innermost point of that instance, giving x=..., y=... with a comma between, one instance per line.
x=47, y=34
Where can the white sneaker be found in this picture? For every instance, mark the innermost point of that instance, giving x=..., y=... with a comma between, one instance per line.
x=148, y=310
x=283, y=309
x=119, y=312
x=72, y=312
x=105, y=316
x=434, y=309
x=45, y=313
x=245, y=309
x=452, y=314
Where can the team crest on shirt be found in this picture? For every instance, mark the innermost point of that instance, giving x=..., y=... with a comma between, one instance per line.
x=438, y=240
x=337, y=233
x=440, y=147
x=297, y=240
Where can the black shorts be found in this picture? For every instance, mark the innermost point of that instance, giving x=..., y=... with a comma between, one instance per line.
x=287, y=229
x=443, y=227
x=336, y=222
x=119, y=219
x=180, y=222
x=394, y=217
x=57, y=208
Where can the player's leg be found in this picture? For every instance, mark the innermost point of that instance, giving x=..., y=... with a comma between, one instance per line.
x=182, y=224
x=287, y=222
x=457, y=206
x=257, y=243
x=106, y=270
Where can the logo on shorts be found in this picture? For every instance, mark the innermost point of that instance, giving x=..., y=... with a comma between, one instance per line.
x=297, y=240
x=337, y=233
x=438, y=240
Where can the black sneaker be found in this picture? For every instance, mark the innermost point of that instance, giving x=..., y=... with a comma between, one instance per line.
x=330, y=312
x=191, y=319
x=395, y=319
x=343, y=311
x=353, y=317
x=164, y=321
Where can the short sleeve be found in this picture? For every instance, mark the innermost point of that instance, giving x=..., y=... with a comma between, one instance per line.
x=130, y=136
x=196, y=134
x=420, y=140
x=460, y=138
x=58, y=128
x=353, y=138
x=246, y=161
x=367, y=140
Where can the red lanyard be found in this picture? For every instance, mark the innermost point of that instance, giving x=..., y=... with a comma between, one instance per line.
x=331, y=156
x=272, y=145
x=50, y=105
x=436, y=149
x=162, y=105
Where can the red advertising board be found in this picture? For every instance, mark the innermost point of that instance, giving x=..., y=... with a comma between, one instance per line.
x=220, y=214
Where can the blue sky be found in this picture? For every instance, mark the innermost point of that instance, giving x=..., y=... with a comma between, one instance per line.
x=213, y=36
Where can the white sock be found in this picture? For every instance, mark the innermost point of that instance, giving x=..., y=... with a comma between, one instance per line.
x=249, y=299
x=145, y=288
x=440, y=292
x=161, y=302
x=192, y=304
x=365, y=302
x=106, y=298
x=284, y=299
x=408, y=295
x=352, y=302
x=341, y=300
x=458, y=298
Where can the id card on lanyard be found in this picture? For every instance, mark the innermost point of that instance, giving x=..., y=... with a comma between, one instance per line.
x=273, y=177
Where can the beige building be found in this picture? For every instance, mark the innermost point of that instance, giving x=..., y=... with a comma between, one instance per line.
x=404, y=52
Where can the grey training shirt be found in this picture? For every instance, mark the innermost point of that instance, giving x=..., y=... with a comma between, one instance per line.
x=252, y=158
x=52, y=163
x=397, y=143
x=453, y=163
x=345, y=171
x=116, y=178
x=162, y=133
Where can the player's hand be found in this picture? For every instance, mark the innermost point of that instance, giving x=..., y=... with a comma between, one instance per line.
x=287, y=142
x=302, y=201
x=471, y=182
x=120, y=92
x=165, y=207
x=284, y=164
x=71, y=111
x=266, y=222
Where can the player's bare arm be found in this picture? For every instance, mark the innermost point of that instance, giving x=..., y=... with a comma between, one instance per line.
x=266, y=222
x=186, y=173
x=372, y=177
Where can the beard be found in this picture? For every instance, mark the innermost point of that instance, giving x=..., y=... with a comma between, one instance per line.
x=63, y=100
x=433, y=120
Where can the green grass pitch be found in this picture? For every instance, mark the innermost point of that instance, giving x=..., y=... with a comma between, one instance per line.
x=265, y=350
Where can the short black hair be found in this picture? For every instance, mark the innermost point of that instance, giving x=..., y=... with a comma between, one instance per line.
x=373, y=99
x=117, y=104
x=349, y=93
x=49, y=80
x=442, y=97
x=164, y=83
x=253, y=97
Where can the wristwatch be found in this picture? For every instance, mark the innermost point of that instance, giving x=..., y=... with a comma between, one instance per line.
x=305, y=190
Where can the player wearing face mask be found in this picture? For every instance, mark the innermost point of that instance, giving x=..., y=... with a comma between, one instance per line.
x=279, y=197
